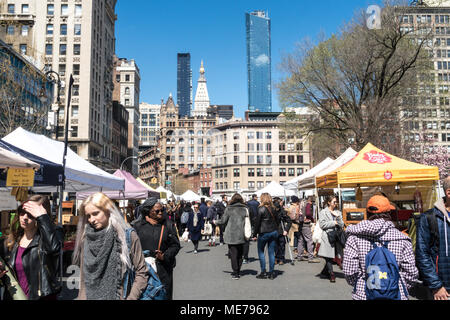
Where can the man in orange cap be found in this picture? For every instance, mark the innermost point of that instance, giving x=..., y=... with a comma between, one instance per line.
x=380, y=230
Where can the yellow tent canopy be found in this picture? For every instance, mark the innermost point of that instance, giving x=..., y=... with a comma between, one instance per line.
x=374, y=167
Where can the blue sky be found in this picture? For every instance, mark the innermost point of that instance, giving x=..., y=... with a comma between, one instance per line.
x=153, y=31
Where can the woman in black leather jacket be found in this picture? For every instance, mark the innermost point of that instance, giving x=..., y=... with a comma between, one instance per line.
x=34, y=244
x=266, y=226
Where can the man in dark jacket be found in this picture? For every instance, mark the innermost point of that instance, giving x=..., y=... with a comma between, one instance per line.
x=435, y=277
x=150, y=231
x=221, y=205
x=253, y=205
x=285, y=225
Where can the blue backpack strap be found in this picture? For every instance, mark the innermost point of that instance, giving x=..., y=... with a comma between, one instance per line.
x=128, y=272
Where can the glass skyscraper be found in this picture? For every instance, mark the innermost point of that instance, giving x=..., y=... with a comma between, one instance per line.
x=259, y=61
x=184, y=83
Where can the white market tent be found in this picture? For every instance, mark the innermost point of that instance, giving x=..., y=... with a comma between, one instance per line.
x=9, y=159
x=310, y=182
x=190, y=196
x=293, y=184
x=275, y=190
x=80, y=174
x=168, y=192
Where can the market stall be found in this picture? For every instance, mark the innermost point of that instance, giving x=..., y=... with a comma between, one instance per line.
x=190, y=196
x=374, y=171
x=275, y=190
x=294, y=183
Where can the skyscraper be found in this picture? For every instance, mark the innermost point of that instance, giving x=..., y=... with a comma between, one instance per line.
x=184, y=83
x=259, y=61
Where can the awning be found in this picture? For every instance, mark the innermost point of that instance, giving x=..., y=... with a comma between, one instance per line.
x=80, y=174
x=275, y=190
x=294, y=183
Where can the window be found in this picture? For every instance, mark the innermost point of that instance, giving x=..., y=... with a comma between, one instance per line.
x=78, y=10
x=235, y=135
x=250, y=135
x=50, y=9
x=49, y=29
x=251, y=185
x=259, y=135
x=299, y=171
x=62, y=49
x=48, y=49
x=74, y=111
x=291, y=159
x=76, y=49
x=251, y=172
x=77, y=29
x=25, y=30
x=10, y=30
x=251, y=147
x=63, y=30
x=259, y=159
x=268, y=159
x=260, y=147
x=268, y=147
x=268, y=172
x=25, y=8
x=291, y=172
x=282, y=172
x=64, y=9
x=236, y=185
x=127, y=77
x=299, y=147
x=260, y=185
x=269, y=135
x=290, y=147
x=236, y=159
x=23, y=49
x=259, y=172
x=282, y=147
x=62, y=70
x=75, y=132
x=127, y=90
x=282, y=159
x=76, y=69
x=299, y=159
x=11, y=8
x=76, y=90
x=236, y=172
x=251, y=159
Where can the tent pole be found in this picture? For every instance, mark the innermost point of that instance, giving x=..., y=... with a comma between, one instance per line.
x=439, y=189
x=340, y=197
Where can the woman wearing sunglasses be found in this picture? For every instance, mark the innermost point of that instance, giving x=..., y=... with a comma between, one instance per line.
x=158, y=235
x=195, y=226
x=34, y=245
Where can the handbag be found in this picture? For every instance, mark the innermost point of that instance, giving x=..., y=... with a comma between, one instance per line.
x=247, y=227
x=185, y=236
x=11, y=284
x=317, y=233
x=207, y=229
x=337, y=235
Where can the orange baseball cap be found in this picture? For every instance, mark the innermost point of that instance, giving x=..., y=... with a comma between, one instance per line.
x=379, y=204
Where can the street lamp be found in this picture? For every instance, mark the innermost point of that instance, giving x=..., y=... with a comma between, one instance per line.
x=53, y=77
x=132, y=157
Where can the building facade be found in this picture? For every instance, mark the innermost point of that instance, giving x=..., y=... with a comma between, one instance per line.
x=184, y=83
x=120, y=136
x=72, y=37
x=250, y=153
x=259, y=61
x=148, y=125
x=430, y=111
x=127, y=83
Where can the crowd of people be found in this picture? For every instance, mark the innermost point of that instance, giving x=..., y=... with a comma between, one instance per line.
x=108, y=249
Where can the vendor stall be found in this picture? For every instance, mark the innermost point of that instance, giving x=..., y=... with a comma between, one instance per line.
x=275, y=190
x=400, y=180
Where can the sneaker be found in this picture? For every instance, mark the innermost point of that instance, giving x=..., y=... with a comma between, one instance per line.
x=245, y=261
x=195, y=251
x=301, y=259
x=313, y=261
x=221, y=243
x=332, y=278
x=270, y=276
x=262, y=275
x=281, y=262
x=235, y=276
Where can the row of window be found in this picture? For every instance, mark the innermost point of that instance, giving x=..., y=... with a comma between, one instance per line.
x=63, y=29
x=429, y=113
x=425, y=18
x=223, y=173
x=25, y=8
x=63, y=49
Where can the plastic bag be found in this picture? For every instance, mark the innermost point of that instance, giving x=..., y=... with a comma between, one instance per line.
x=185, y=236
x=317, y=233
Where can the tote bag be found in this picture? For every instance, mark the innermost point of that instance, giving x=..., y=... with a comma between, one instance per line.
x=247, y=227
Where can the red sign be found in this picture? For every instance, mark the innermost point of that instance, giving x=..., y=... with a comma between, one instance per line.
x=377, y=157
x=388, y=175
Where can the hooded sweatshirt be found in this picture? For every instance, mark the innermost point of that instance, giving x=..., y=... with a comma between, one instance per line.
x=359, y=243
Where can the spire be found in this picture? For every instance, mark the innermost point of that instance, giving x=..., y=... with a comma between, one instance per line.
x=202, y=69
x=201, y=102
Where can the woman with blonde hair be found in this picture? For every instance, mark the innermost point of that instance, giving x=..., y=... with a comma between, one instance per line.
x=266, y=227
x=102, y=253
x=34, y=244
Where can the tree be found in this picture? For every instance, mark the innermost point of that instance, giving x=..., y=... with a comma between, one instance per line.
x=353, y=82
x=20, y=85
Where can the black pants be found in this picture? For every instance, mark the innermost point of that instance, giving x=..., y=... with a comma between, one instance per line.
x=328, y=268
x=195, y=242
x=281, y=248
x=236, y=254
x=246, y=249
x=221, y=227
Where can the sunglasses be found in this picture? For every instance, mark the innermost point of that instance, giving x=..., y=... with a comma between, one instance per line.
x=158, y=211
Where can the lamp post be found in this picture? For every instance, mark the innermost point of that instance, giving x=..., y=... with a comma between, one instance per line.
x=53, y=77
x=132, y=157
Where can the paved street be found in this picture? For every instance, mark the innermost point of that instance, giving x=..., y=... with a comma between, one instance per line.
x=206, y=276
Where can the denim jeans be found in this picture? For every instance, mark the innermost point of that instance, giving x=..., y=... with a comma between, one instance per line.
x=270, y=239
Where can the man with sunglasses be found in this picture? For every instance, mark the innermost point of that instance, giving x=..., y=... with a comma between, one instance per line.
x=158, y=235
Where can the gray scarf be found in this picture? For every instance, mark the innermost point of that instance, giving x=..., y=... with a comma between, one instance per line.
x=101, y=264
